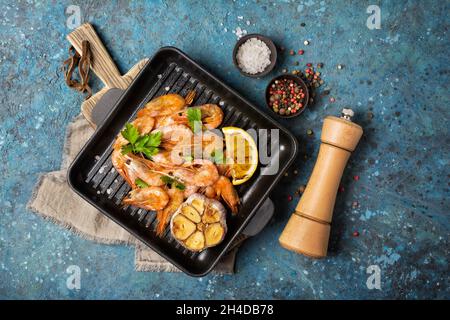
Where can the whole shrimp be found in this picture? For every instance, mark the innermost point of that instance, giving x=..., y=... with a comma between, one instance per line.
x=150, y=198
x=163, y=106
x=132, y=167
x=173, y=135
x=176, y=198
x=203, y=145
x=199, y=172
x=225, y=190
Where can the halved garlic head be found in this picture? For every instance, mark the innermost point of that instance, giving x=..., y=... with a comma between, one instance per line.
x=199, y=223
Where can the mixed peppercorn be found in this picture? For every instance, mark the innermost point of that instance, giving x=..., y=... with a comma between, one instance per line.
x=286, y=97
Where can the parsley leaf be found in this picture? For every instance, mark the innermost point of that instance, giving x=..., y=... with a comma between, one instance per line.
x=146, y=144
x=217, y=156
x=127, y=149
x=155, y=139
x=130, y=133
x=180, y=186
x=167, y=179
x=194, y=116
x=141, y=183
x=171, y=182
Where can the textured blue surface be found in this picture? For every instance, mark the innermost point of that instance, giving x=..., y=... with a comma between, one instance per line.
x=400, y=73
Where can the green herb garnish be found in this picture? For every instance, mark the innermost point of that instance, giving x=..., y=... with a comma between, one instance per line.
x=180, y=186
x=141, y=183
x=171, y=182
x=146, y=144
x=194, y=116
x=217, y=156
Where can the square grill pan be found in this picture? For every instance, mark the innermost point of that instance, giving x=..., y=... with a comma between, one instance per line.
x=93, y=177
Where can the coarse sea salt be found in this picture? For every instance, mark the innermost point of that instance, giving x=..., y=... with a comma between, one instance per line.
x=253, y=56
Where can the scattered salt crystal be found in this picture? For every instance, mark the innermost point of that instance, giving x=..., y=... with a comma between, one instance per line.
x=167, y=88
x=248, y=22
x=221, y=103
x=108, y=191
x=239, y=32
x=240, y=17
x=225, y=29
x=253, y=56
x=159, y=76
x=97, y=157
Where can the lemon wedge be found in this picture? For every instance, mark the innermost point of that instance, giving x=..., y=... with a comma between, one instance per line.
x=241, y=153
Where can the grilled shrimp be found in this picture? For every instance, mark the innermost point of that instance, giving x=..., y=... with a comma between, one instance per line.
x=202, y=145
x=224, y=169
x=164, y=105
x=150, y=198
x=199, y=172
x=176, y=198
x=173, y=135
x=132, y=167
x=225, y=190
x=212, y=116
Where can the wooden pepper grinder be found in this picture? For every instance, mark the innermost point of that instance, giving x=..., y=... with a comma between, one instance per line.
x=308, y=230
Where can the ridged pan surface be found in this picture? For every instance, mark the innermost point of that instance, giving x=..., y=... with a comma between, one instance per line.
x=94, y=178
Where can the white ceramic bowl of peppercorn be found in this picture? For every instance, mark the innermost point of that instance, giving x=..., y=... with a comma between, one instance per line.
x=287, y=96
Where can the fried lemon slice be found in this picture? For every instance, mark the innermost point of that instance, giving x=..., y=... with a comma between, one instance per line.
x=241, y=154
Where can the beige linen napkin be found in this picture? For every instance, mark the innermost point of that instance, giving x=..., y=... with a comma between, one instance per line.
x=53, y=199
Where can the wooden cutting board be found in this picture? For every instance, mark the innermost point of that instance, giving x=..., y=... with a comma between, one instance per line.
x=103, y=66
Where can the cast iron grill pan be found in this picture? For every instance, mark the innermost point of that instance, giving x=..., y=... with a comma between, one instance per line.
x=94, y=178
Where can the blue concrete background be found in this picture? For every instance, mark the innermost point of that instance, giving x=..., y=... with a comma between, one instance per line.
x=400, y=73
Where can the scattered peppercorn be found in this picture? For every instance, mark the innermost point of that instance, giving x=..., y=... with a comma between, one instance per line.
x=341, y=189
x=302, y=24
x=355, y=233
x=309, y=132
x=289, y=198
x=332, y=99
x=291, y=52
x=296, y=63
x=370, y=115
x=300, y=52
x=356, y=178
x=302, y=188
x=320, y=65
x=354, y=204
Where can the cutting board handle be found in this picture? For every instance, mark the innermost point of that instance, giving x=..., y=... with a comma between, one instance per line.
x=102, y=64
